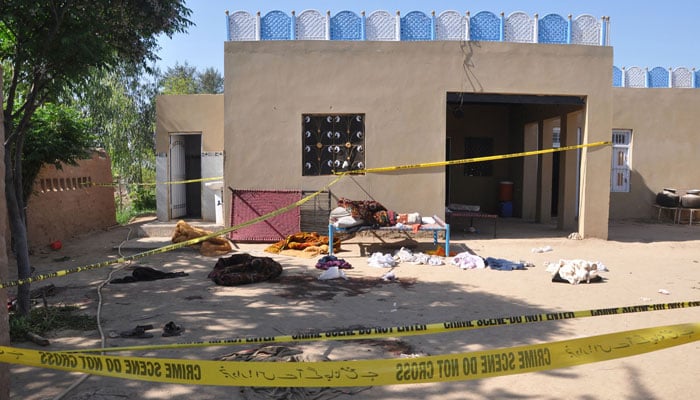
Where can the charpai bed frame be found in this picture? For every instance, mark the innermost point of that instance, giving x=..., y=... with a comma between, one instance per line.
x=436, y=228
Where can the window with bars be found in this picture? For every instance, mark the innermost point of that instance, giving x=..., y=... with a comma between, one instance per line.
x=621, y=165
x=475, y=147
x=332, y=143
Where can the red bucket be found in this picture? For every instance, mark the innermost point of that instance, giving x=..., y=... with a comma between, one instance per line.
x=505, y=191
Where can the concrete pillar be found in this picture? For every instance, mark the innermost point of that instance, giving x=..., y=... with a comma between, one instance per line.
x=530, y=163
x=545, y=184
x=568, y=173
x=595, y=171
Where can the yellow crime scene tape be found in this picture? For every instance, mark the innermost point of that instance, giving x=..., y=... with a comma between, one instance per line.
x=437, y=368
x=478, y=159
x=213, y=178
x=167, y=248
x=405, y=330
x=279, y=211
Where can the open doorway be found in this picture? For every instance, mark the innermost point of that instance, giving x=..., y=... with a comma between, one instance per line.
x=185, y=164
x=498, y=124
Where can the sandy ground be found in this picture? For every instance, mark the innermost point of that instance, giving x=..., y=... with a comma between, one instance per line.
x=642, y=257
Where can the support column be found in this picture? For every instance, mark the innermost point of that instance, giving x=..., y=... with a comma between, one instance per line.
x=595, y=170
x=530, y=164
x=568, y=177
x=545, y=184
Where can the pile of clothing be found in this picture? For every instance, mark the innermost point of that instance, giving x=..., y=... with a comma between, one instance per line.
x=212, y=247
x=576, y=271
x=355, y=213
x=303, y=244
x=241, y=269
x=382, y=260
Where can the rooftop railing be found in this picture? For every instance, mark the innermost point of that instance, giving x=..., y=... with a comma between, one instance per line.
x=657, y=77
x=448, y=25
x=451, y=25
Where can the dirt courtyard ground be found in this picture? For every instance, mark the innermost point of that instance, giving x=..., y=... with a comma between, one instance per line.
x=642, y=258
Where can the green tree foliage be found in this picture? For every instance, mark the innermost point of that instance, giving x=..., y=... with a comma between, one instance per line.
x=57, y=135
x=211, y=81
x=180, y=79
x=121, y=107
x=47, y=46
x=185, y=79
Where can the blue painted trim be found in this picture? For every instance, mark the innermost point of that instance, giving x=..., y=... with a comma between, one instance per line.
x=293, y=27
x=502, y=30
x=363, y=27
x=604, y=37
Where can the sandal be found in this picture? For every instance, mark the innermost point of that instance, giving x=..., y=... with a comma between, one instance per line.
x=138, y=332
x=171, y=329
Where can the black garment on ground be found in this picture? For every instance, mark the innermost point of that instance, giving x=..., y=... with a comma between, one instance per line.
x=241, y=269
x=558, y=278
x=147, y=274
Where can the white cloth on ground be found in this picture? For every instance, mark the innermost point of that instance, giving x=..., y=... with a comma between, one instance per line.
x=576, y=271
x=381, y=260
x=466, y=260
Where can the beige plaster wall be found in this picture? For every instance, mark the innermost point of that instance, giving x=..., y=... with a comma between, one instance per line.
x=401, y=88
x=665, y=126
x=74, y=190
x=200, y=113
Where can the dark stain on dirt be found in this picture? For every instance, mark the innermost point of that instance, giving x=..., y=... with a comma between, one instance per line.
x=310, y=287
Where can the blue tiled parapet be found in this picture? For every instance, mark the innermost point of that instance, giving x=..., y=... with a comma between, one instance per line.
x=518, y=27
x=382, y=25
x=657, y=77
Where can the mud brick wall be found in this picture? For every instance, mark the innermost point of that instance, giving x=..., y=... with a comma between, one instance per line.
x=71, y=201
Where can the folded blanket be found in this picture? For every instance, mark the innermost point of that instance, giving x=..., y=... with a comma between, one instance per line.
x=241, y=269
x=302, y=241
x=212, y=247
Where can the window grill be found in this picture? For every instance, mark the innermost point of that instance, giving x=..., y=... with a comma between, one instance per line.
x=620, y=177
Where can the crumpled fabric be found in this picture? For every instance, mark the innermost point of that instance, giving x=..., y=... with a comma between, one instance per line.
x=436, y=260
x=242, y=268
x=466, y=260
x=406, y=255
x=326, y=262
x=212, y=247
x=576, y=271
x=302, y=241
x=501, y=264
x=332, y=273
x=381, y=260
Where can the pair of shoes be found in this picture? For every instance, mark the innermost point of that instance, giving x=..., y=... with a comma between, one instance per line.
x=171, y=329
x=139, y=332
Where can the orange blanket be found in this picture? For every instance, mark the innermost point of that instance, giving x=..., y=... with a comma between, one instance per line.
x=302, y=241
x=211, y=247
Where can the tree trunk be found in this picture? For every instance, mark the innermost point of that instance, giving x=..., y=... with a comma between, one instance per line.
x=18, y=232
x=4, y=273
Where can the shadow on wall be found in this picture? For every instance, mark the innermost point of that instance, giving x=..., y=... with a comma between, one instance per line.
x=635, y=204
x=631, y=211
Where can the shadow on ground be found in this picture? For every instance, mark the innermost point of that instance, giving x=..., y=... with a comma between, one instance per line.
x=296, y=302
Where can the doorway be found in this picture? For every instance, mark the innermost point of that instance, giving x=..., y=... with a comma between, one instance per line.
x=513, y=123
x=185, y=165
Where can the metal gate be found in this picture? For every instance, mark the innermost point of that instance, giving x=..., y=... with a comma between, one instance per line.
x=178, y=199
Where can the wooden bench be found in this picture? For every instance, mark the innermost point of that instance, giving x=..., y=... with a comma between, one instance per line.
x=677, y=213
x=452, y=214
x=436, y=228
